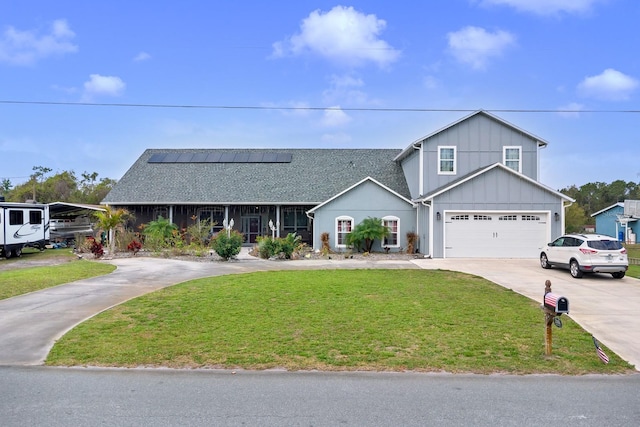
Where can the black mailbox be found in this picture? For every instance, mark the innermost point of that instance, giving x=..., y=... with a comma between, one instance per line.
x=556, y=303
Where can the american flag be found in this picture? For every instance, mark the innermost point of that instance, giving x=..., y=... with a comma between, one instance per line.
x=601, y=354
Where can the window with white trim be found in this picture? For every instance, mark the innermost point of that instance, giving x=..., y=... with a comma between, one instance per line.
x=344, y=225
x=482, y=218
x=446, y=160
x=512, y=158
x=393, y=225
x=530, y=218
x=460, y=218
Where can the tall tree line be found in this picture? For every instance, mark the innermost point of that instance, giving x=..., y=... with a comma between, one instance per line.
x=43, y=187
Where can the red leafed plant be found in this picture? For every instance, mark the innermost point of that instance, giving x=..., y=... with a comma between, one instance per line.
x=134, y=246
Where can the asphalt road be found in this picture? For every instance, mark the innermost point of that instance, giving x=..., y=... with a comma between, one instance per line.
x=37, y=396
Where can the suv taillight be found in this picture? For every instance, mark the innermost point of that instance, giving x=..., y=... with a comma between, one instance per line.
x=623, y=251
x=588, y=251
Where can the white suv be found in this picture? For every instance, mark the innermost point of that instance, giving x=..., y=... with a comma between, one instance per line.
x=586, y=253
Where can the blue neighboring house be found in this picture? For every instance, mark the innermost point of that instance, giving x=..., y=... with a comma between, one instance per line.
x=611, y=221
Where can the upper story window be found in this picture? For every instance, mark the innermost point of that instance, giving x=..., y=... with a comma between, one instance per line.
x=344, y=225
x=393, y=224
x=446, y=160
x=512, y=158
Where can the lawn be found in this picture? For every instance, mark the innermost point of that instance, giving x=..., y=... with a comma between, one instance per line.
x=382, y=320
x=633, y=251
x=18, y=281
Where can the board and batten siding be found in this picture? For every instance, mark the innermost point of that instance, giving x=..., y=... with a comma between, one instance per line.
x=479, y=142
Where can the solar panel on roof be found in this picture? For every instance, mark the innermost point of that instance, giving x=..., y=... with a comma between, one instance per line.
x=284, y=158
x=171, y=158
x=255, y=157
x=221, y=157
x=270, y=157
x=185, y=158
x=213, y=157
x=156, y=158
x=199, y=158
x=228, y=157
x=241, y=158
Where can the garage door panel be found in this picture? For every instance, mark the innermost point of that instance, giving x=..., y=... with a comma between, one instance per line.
x=494, y=235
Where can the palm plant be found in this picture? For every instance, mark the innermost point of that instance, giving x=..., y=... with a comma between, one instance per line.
x=110, y=220
x=366, y=232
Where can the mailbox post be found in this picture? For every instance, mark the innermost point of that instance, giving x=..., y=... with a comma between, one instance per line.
x=553, y=305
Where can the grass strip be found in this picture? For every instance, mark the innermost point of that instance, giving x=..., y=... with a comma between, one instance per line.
x=382, y=320
x=25, y=280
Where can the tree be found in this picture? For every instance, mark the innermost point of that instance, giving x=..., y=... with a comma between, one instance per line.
x=367, y=232
x=110, y=220
x=38, y=173
x=5, y=186
x=575, y=219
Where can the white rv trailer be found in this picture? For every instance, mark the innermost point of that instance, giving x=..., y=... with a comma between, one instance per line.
x=23, y=225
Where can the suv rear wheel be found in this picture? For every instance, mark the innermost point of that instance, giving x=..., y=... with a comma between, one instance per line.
x=574, y=269
x=618, y=275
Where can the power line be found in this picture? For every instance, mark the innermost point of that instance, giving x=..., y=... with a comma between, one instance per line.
x=256, y=107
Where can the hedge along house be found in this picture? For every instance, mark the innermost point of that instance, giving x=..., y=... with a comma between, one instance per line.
x=470, y=189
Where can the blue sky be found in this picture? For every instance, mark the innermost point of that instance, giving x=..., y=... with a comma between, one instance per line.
x=256, y=74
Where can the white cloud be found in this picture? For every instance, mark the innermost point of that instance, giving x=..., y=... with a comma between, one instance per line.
x=571, y=110
x=98, y=85
x=142, y=56
x=335, y=117
x=476, y=46
x=345, y=89
x=430, y=82
x=27, y=47
x=340, y=138
x=342, y=35
x=611, y=85
x=546, y=7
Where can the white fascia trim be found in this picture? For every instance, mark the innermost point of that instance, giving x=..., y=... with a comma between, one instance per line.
x=619, y=204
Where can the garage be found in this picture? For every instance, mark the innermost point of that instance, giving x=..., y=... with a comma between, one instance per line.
x=495, y=234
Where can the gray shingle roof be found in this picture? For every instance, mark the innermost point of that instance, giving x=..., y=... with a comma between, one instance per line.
x=312, y=176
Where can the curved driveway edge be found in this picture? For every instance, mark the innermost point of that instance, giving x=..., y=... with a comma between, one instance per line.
x=30, y=324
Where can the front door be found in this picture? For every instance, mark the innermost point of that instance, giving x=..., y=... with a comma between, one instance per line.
x=251, y=228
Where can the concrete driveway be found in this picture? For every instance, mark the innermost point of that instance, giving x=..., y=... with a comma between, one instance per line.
x=30, y=324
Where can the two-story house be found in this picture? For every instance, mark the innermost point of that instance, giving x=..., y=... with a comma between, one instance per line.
x=470, y=189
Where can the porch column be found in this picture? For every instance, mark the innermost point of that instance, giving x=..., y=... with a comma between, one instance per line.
x=171, y=214
x=278, y=220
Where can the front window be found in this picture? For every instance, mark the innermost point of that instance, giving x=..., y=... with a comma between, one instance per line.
x=512, y=158
x=393, y=225
x=294, y=218
x=215, y=217
x=446, y=160
x=344, y=225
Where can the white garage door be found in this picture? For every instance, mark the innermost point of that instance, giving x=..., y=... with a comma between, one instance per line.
x=494, y=235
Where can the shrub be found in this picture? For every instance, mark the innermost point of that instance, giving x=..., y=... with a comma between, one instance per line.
x=326, y=247
x=285, y=247
x=227, y=247
x=159, y=233
x=412, y=239
x=134, y=246
x=366, y=232
x=95, y=247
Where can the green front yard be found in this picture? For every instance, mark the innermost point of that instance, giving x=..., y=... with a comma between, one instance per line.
x=383, y=320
